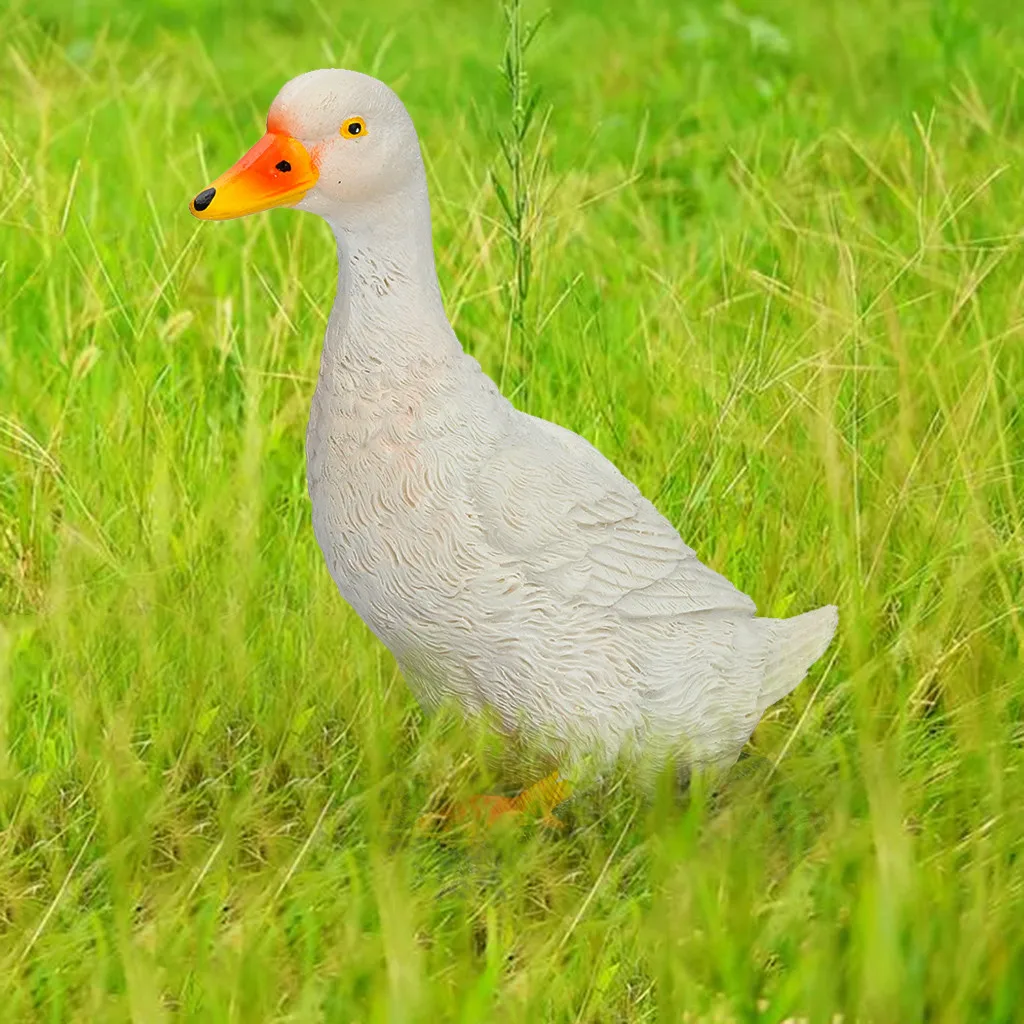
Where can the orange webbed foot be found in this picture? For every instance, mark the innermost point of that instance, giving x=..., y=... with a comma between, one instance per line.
x=481, y=813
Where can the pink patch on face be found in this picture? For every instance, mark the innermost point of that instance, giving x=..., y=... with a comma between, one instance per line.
x=277, y=123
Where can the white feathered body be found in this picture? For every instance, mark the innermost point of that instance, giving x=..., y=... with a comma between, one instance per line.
x=505, y=562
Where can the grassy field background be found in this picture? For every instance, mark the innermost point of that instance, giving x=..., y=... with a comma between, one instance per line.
x=778, y=278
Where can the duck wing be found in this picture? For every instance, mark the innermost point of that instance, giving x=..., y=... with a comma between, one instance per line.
x=561, y=515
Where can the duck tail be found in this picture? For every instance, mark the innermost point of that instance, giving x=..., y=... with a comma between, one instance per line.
x=793, y=646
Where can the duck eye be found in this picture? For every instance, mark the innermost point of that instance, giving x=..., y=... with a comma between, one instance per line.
x=353, y=127
x=283, y=165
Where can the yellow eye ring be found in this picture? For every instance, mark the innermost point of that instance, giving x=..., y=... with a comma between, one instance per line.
x=354, y=128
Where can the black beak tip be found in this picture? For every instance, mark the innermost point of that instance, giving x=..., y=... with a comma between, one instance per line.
x=203, y=200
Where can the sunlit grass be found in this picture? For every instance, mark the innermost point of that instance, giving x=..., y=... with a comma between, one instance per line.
x=777, y=279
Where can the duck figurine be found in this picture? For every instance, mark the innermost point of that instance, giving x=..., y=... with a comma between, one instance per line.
x=502, y=559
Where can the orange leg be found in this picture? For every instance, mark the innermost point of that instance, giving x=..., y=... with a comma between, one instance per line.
x=538, y=800
x=542, y=798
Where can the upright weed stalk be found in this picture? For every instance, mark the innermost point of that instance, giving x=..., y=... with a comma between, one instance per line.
x=519, y=192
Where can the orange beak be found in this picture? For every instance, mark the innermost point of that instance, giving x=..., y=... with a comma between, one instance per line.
x=277, y=171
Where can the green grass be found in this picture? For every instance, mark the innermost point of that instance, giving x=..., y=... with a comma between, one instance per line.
x=776, y=275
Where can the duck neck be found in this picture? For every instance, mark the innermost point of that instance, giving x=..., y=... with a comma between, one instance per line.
x=388, y=317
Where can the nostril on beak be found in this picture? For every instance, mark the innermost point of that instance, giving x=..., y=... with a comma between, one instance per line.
x=203, y=200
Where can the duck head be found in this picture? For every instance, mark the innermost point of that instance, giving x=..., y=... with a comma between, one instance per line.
x=334, y=138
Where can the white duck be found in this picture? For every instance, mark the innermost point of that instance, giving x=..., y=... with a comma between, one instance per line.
x=502, y=559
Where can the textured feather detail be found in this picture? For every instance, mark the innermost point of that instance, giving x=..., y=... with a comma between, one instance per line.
x=794, y=645
x=577, y=525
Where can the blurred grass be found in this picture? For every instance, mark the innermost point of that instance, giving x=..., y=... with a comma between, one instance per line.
x=778, y=279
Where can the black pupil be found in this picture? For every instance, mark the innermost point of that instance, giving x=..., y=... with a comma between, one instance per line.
x=283, y=166
x=354, y=129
